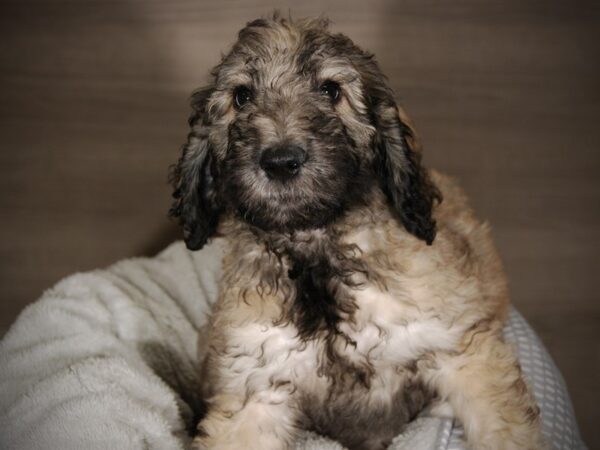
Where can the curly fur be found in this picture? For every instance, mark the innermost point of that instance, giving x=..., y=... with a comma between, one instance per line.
x=351, y=296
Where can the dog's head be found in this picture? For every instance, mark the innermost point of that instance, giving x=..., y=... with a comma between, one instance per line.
x=298, y=126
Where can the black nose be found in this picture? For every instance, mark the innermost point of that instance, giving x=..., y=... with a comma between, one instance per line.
x=282, y=162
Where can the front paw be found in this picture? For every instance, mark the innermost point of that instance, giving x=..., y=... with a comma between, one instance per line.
x=256, y=426
x=243, y=441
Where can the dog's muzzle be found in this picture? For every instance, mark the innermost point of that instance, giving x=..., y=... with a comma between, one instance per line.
x=282, y=163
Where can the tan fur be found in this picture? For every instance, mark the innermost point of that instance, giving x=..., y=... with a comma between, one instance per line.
x=401, y=323
x=446, y=303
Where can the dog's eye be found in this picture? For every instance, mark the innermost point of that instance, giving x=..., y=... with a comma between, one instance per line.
x=241, y=96
x=331, y=89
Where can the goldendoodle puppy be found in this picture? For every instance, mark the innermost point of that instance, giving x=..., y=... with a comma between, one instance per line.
x=352, y=296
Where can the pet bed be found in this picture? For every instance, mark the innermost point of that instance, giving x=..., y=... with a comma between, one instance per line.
x=108, y=360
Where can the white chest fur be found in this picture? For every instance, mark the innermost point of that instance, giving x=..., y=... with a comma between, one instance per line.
x=390, y=331
x=388, y=334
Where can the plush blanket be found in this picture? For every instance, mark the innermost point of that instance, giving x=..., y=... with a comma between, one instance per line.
x=108, y=360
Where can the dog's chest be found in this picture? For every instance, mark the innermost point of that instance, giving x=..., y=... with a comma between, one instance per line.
x=390, y=330
x=377, y=340
x=386, y=335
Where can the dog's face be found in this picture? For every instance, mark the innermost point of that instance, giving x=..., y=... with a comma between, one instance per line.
x=298, y=127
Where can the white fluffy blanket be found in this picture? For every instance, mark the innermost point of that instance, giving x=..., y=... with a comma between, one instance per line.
x=108, y=360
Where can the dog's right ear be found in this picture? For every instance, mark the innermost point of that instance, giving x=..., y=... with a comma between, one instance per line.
x=194, y=177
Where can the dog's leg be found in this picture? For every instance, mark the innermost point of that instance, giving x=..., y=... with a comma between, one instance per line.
x=251, y=392
x=262, y=422
x=485, y=388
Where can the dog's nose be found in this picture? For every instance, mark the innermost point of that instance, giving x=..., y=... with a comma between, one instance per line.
x=282, y=163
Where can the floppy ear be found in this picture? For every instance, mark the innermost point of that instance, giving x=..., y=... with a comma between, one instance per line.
x=403, y=179
x=193, y=179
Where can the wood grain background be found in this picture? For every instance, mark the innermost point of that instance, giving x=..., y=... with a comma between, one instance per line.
x=506, y=95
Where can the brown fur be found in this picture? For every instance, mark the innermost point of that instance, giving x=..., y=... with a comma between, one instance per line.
x=350, y=297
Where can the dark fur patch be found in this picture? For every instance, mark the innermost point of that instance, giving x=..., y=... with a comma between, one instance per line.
x=321, y=301
x=406, y=183
x=317, y=294
x=357, y=426
x=193, y=178
x=315, y=307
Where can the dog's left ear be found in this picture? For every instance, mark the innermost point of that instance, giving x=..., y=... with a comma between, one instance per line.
x=404, y=180
x=194, y=179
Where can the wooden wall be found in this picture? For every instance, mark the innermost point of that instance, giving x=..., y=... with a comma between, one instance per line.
x=506, y=95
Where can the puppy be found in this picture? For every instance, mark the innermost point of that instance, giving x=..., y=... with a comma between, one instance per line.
x=351, y=295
